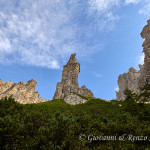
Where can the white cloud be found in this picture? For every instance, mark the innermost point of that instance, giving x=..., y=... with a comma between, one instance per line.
x=141, y=59
x=43, y=33
x=98, y=75
x=5, y=45
x=34, y=32
x=116, y=89
x=104, y=10
x=145, y=5
x=132, y=1
x=146, y=8
x=102, y=5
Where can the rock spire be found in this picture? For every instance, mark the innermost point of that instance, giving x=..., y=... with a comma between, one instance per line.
x=69, y=83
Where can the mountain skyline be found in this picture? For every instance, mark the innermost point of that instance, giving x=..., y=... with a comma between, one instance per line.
x=37, y=38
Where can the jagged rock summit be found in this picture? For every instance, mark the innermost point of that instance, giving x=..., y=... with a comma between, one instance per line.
x=128, y=80
x=68, y=89
x=135, y=80
x=69, y=83
x=21, y=92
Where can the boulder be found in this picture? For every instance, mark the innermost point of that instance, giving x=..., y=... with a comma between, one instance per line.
x=74, y=99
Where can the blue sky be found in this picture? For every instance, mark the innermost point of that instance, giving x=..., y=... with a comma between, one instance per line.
x=37, y=38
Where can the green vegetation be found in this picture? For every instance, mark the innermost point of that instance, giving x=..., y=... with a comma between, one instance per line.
x=55, y=125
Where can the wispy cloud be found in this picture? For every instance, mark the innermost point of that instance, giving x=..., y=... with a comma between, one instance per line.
x=145, y=5
x=146, y=8
x=43, y=33
x=98, y=75
x=104, y=10
x=116, y=89
x=141, y=59
x=33, y=32
x=5, y=45
x=132, y=1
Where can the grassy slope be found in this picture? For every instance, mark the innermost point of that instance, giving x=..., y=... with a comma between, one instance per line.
x=92, y=106
x=57, y=125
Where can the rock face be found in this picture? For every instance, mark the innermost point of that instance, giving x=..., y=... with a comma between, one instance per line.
x=69, y=83
x=128, y=80
x=21, y=92
x=145, y=74
x=85, y=91
x=135, y=80
x=74, y=99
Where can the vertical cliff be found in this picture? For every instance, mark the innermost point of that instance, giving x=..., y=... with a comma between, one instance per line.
x=145, y=73
x=128, y=80
x=135, y=80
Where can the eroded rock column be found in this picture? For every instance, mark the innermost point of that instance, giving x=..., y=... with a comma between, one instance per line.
x=69, y=83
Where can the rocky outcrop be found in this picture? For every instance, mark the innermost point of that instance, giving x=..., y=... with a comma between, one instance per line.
x=135, y=80
x=145, y=74
x=74, y=99
x=85, y=91
x=69, y=83
x=21, y=92
x=128, y=80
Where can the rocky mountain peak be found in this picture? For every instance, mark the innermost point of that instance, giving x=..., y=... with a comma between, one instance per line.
x=69, y=83
x=32, y=83
x=146, y=31
x=22, y=92
x=72, y=59
x=135, y=80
